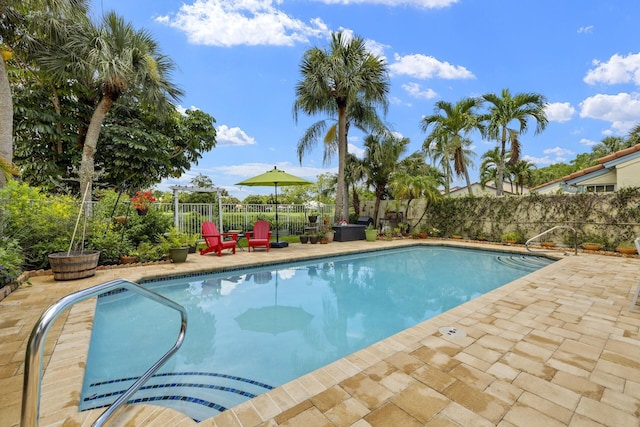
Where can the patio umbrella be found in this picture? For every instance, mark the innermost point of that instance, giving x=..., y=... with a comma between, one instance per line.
x=275, y=177
x=274, y=319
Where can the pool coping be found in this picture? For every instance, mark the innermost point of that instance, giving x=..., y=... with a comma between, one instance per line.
x=288, y=401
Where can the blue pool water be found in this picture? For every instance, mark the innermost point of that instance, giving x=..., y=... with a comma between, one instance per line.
x=254, y=329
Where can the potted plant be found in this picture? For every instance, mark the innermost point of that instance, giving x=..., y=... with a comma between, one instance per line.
x=403, y=226
x=304, y=238
x=415, y=234
x=142, y=200
x=628, y=248
x=423, y=231
x=175, y=244
x=192, y=240
x=313, y=238
x=510, y=237
x=591, y=246
x=370, y=233
x=313, y=217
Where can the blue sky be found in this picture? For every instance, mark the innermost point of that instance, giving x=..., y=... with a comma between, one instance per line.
x=239, y=61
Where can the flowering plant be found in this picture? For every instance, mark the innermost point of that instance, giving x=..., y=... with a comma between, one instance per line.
x=142, y=200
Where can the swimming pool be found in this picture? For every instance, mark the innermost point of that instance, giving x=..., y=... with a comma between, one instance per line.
x=253, y=329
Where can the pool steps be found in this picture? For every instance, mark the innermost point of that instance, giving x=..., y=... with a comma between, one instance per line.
x=524, y=262
x=180, y=390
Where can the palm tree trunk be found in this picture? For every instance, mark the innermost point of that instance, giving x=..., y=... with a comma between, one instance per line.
x=500, y=177
x=466, y=177
x=6, y=120
x=90, y=145
x=342, y=163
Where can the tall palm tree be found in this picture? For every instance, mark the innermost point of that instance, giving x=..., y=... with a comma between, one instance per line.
x=27, y=27
x=382, y=154
x=333, y=80
x=111, y=59
x=448, y=140
x=503, y=111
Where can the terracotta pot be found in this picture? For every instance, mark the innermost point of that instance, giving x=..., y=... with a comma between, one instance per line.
x=591, y=247
x=627, y=251
x=128, y=259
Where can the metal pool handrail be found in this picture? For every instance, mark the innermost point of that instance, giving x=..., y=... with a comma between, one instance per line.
x=575, y=238
x=33, y=358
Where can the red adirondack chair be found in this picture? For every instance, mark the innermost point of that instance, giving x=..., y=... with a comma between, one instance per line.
x=259, y=236
x=215, y=241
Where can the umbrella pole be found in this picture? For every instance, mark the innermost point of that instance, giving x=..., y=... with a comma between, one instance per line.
x=278, y=243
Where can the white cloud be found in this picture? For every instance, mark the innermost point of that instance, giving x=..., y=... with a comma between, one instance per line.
x=356, y=151
x=558, y=152
x=588, y=142
x=619, y=69
x=226, y=136
x=182, y=110
x=426, y=67
x=621, y=110
x=559, y=111
x=415, y=91
x=426, y=4
x=551, y=156
x=586, y=30
x=247, y=22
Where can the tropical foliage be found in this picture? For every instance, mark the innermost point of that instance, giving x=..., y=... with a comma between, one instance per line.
x=448, y=141
x=334, y=82
x=503, y=112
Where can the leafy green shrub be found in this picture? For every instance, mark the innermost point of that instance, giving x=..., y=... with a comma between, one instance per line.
x=149, y=252
x=110, y=243
x=41, y=224
x=137, y=229
x=11, y=260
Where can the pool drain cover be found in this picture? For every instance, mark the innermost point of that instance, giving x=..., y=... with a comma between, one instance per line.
x=452, y=331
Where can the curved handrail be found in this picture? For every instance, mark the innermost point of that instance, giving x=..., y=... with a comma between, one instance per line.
x=33, y=358
x=575, y=238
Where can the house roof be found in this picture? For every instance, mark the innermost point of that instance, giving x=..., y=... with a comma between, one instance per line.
x=602, y=164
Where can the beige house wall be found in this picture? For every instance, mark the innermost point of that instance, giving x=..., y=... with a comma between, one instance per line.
x=629, y=174
x=607, y=178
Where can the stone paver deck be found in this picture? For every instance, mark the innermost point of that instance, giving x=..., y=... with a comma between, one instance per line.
x=557, y=347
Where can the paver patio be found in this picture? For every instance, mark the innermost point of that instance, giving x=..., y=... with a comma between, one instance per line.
x=556, y=347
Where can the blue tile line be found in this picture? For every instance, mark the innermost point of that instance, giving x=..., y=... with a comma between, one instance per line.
x=208, y=374
x=197, y=401
x=159, y=386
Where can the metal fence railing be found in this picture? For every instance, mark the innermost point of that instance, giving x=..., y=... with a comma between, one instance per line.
x=292, y=218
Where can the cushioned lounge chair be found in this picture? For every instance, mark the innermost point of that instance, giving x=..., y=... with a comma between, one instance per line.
x=215, y=240
x=259, y=236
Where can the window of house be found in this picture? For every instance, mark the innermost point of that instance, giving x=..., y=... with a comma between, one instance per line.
x=604, y=188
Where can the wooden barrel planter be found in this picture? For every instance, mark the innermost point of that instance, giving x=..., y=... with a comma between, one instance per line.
x=73, y=265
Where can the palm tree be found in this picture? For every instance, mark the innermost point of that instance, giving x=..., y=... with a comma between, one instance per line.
x=112, y=59
x=414, y=179
x=522, y=173
x=448, y=139
x=489, y=167
x=333, y=81
x=440, y=153
x=26, y=28
x=504, y=110
x=382, y=154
